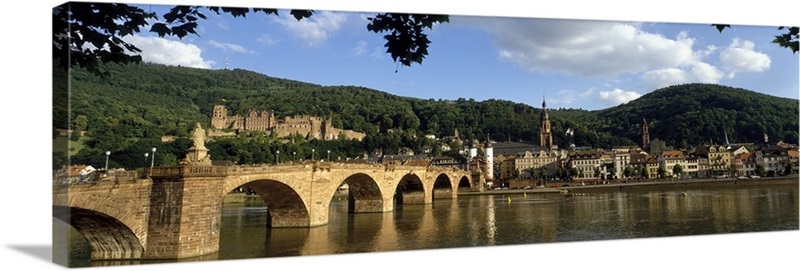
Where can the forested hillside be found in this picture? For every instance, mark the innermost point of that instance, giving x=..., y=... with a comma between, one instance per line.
x=686, y=115
x=129, y=111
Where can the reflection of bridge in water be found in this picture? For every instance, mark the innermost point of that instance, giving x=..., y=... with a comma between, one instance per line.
x=175, y=211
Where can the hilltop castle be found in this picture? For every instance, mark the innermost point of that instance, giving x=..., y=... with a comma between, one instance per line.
x=310, y=127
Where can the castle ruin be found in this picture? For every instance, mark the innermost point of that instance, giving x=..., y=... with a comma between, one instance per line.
x=310, y=127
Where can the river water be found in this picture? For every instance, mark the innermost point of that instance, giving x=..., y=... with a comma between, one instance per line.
x=495, y=220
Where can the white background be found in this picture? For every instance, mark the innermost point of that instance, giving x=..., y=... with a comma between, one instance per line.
x=26, y=153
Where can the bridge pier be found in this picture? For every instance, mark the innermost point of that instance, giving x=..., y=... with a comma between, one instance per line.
x=184, y=217
x=412, y=197
x=368, y=205
x=445, y=193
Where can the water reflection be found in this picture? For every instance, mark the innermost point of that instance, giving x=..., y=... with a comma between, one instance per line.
x=502, y=220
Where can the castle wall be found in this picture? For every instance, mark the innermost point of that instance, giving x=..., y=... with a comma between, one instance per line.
x=309, y=127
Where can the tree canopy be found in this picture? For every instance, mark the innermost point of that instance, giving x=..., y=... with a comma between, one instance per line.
x=89, y=35
x=161, y=100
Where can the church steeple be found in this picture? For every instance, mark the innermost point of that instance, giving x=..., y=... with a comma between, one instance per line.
x=645, y=133
x=545, y=132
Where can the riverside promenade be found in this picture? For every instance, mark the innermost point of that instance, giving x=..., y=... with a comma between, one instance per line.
x=640, y=185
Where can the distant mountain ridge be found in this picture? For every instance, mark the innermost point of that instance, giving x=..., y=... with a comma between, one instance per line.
x=151, y=100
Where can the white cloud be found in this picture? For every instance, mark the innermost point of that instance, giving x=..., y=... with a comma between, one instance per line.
x=706, y=73
x=613, y=49
x=566, y=97
x=586, y=48
x=739, y=56
x=618, y=96
x=316, y=29
x=360, y=48
x=379, y=53
x=226, y=46
x=698, y=72
x=168, y=52
x=586, y=93
x=223, y=24
x=267, y=39
x=665, y=77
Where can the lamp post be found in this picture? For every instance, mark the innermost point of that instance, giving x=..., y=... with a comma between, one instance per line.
x=153, y=158
x=329, y=155
x=294, y=155
x=277, y=156
x=312, y=154
x=145, y=158
x=107, y=154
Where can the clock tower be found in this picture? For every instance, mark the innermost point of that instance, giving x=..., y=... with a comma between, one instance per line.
x=545, y=131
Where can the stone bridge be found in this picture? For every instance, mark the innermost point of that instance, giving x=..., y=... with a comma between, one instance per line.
x=174, y=212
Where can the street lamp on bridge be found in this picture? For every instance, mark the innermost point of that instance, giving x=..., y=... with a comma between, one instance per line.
x=329, y=155
x=294, y=155
x=277, y=156
x=145, y=158
x=312, y=154
x=153, y=159
x=107, y=154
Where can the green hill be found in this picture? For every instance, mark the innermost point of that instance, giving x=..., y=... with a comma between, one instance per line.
x=690, y=114
x=130, y=110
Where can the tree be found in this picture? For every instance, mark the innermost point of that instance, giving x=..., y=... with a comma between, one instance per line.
x=628, y=172
x=760, y=170
x=661, y=172
x=89, y=35
x=81, y=123
x=790, y=168
x=573, y=172
x=677, y=170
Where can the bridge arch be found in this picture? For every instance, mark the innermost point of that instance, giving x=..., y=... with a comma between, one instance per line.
x=109, y=238
x=442, y=187
x=365, y=194
x=285, y=207
x=410, y=190
x=464, y=184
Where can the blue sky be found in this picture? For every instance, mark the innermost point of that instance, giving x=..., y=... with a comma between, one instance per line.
x=589, y=64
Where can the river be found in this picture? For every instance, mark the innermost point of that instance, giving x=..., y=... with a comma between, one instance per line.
x=501, y=219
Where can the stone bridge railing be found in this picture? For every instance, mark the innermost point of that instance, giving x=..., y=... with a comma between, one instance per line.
x=100, y=176
x=189, y=171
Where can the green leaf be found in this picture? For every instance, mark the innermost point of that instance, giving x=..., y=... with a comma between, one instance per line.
x=301, y=14
x=160, y=29
x=721, y=27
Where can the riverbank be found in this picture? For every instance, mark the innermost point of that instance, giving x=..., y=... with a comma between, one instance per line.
x=640, y=185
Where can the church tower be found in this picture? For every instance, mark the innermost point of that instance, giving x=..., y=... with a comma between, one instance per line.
x=645, y=134
x=545, y=133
